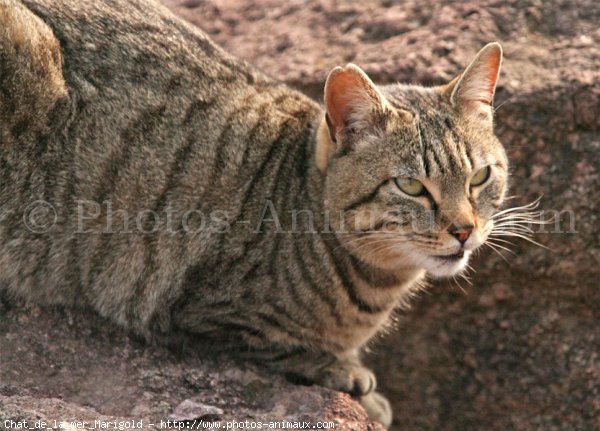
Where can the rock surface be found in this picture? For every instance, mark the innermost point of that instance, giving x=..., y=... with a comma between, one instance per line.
x=518, y=350
x=69, y=366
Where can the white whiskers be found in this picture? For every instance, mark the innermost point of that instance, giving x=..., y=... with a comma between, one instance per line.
x=515, y=222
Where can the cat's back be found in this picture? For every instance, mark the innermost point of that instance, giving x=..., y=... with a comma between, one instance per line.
x=151, y=118
x=107, y=41
x=129, y=60
x=147, y=87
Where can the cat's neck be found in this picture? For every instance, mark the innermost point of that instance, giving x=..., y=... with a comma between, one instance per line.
x=391, y=282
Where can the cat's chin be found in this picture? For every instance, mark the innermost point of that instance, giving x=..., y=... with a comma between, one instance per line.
x=446, y=266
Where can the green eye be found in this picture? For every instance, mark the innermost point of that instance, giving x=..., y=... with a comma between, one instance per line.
x=480, y=177
x=411, y=187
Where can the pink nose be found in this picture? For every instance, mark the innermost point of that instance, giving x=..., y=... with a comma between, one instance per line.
x=461, y=233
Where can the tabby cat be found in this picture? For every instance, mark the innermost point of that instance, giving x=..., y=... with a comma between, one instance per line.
x=179, y=192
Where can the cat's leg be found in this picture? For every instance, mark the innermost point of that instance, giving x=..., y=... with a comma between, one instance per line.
x=343, y=372
x=346, y=373
x=33, y=100
x=31, y=75
x=378, y=408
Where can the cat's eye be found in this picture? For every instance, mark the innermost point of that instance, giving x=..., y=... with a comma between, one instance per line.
x=411, y=186
x=480, y=177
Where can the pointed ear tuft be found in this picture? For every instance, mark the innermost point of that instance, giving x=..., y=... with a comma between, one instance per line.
x=351, y=99
x=473, y=90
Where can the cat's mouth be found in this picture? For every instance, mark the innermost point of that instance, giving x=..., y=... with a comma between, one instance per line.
x=451, y=257
x=447, y=265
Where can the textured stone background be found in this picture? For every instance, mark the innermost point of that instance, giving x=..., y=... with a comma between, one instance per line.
x=518, y=350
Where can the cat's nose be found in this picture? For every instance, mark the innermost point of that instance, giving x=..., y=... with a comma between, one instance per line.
x=461, y=232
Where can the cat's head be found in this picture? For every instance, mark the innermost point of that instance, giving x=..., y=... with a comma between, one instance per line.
x=416, y=172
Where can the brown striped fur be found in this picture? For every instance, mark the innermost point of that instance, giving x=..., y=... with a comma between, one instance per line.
x=120, y=103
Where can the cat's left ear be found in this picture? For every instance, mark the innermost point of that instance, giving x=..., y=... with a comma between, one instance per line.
x=473, y=91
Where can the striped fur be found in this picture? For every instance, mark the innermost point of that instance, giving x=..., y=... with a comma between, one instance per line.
x=122, y=106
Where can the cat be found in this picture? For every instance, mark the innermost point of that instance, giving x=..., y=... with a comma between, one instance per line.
x=176, y=190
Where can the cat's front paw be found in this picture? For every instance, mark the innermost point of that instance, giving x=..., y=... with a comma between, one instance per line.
x=378, y=408
x=351, y=378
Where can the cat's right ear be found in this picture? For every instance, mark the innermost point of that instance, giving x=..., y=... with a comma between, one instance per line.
x=472, y=92
x=352, y=103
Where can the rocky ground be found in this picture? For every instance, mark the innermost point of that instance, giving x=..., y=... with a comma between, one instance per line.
x=65, y=366
x=517, y=350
